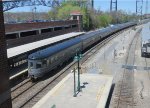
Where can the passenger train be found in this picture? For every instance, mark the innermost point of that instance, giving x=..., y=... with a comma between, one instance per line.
x=43, y=61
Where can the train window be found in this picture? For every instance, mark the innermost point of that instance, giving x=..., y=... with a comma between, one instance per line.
x=56, y=58
x=44, y=62
x=144, y=45
x=38, y=65
x=48, y=62
x=52, y=59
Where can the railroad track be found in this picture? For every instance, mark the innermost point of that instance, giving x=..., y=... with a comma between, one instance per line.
x=148, y=72
x=15, y=93
x=124, y=94
x=29, y=93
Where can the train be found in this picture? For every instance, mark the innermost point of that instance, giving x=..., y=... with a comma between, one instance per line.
x=44, y=61
x=42, y=33
x=145, y=43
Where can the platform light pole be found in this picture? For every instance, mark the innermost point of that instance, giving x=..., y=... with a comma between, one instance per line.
x=77, y=58
x=74, y=72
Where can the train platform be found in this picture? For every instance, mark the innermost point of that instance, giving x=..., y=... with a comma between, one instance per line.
x=94, y=93
x=12, y=52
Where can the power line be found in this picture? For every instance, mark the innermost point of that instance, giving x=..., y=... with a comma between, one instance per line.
x=146, y=7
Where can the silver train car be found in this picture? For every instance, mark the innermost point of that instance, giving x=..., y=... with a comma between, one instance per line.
x=43, y=61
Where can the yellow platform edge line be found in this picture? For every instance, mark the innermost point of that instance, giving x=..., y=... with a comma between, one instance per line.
x=105, y=94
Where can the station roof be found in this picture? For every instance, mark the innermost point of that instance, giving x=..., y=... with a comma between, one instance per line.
x=12, y=52
x=75, y=13
x=9, y=28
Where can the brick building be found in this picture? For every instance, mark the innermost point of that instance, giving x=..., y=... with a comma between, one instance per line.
x=76, y=15
x=5, y=97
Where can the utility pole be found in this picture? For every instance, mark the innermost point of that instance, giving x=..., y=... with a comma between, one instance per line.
x=114, y=8
x=146, y=8
x=92, y=3
x=139, y=8
x=34, y=13
x=113, y=5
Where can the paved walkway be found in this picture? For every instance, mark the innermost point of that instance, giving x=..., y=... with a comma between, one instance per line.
x=94, y=94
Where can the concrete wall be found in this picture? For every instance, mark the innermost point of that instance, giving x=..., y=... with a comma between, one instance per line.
x=29, y=39
x=5, y=98
x=29, y=26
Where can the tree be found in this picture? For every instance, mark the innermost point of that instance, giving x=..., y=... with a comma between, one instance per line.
x=92, y=19
x=53, y=14
x=105, y=20
x=65, y=10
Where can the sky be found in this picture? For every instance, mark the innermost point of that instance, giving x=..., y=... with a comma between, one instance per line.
x=104, y=5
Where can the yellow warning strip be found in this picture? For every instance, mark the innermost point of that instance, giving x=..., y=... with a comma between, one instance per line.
x=100, y=91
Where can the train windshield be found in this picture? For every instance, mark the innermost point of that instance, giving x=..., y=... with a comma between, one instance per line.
x=31, y=64
x=41, y=64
